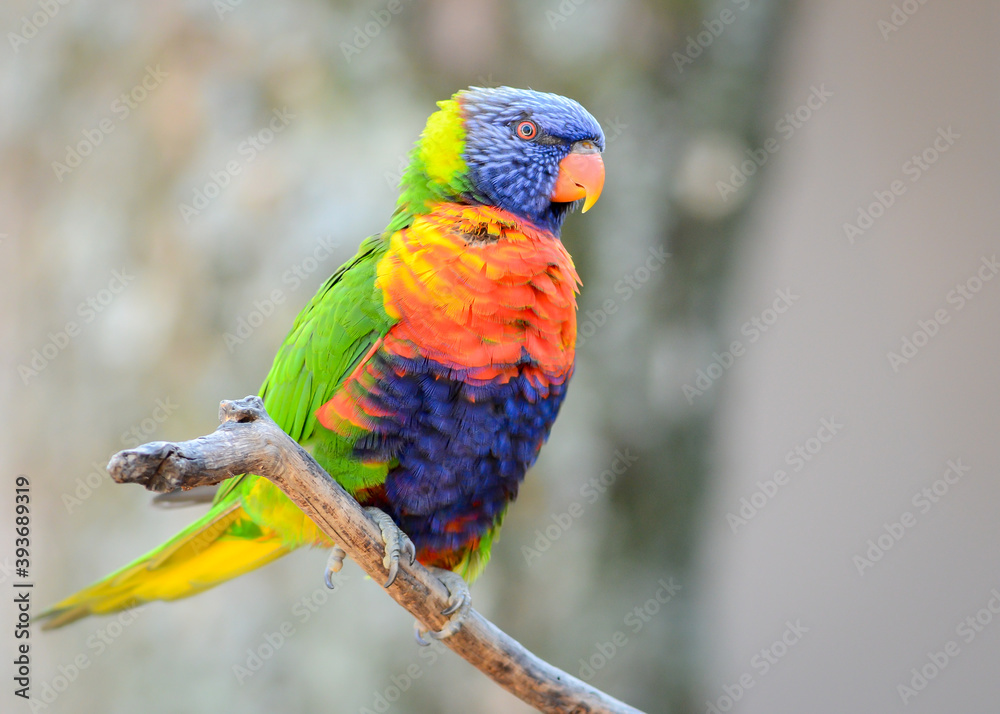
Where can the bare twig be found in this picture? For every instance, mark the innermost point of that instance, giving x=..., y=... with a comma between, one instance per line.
x=248, y=441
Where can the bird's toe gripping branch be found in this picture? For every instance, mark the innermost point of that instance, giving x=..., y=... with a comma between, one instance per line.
x=396, y=543
x=333, y=565
x=459, y=604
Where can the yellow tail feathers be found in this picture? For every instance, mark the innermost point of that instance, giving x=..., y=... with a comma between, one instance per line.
x=221, y=545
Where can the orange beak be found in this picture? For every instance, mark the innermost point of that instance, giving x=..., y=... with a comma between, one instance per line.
x=581, y=175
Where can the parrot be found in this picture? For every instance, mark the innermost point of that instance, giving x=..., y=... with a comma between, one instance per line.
x=427, y=371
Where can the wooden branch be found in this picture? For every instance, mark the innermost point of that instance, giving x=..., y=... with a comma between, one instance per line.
x=248, y=441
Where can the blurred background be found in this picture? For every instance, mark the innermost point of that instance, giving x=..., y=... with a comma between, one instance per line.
x=785, y=404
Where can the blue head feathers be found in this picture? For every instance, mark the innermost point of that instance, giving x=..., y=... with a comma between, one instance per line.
x=515, y=140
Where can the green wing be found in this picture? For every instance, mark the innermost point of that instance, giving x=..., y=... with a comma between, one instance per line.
x=328, y=339
x=253, y=522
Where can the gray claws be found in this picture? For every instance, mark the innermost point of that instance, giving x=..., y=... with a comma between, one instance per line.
x=396, y=542
x=418, y=634
x=452, y=608
x=459, y=604
x=333, y=565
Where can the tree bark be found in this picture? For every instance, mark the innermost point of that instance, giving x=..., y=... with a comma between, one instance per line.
x=248, y=441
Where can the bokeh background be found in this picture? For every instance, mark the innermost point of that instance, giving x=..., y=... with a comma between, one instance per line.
x=824, y=178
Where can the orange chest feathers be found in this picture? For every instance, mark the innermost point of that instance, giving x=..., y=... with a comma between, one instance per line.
x=477, y=291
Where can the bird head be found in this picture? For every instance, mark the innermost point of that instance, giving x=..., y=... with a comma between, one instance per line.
x=533, y=154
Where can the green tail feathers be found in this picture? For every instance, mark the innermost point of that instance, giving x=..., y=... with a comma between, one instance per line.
x=221, y=545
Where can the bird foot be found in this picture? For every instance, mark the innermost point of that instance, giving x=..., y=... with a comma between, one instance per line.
x=396, y=543
x=459, y=604
x=333, y=565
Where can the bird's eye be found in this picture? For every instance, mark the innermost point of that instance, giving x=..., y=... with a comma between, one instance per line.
x=527, y=130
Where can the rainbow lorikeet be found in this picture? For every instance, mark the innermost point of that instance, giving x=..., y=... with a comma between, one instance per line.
x=426, y=373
